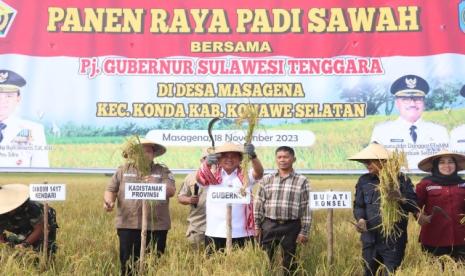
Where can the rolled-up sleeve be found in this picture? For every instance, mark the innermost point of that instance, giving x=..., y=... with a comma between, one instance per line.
x=113, y=184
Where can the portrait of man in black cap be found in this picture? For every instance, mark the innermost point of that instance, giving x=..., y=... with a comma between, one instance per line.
x=457, y=135
x=416, y=137
x=22, y=142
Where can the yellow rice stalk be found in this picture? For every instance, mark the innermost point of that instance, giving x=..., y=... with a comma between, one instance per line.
x=133, y=151
x=249, y=115
x=390, y=210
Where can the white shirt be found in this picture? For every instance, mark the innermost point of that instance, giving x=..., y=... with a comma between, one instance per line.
x=457, y=139
x=23, y=144
x=216, y=212
x=431, y=138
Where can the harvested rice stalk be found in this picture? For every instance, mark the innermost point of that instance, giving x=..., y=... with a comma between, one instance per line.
x=133, y=151
x=390, y=209
x=250, y=115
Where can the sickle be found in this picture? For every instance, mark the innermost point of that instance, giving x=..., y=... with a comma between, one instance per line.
x=210, y=127
x=441, y=211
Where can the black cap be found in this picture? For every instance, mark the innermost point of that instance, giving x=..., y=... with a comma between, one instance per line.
x=462, y=91
x=10, y=82
x=410, y=86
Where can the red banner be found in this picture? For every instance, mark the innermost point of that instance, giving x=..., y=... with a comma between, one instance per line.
x=242, y=28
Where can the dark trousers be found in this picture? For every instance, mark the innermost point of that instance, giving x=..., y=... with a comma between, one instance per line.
x=390, y=255
x=129, y=246
x=213, y=244
x=283, y=233
x=456, y=252
x=52, y=245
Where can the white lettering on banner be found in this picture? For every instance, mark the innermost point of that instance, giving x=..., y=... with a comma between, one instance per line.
x=148, y=191
x=330, y=200
x=269, y=138
x=47, y=192
x=227, y=195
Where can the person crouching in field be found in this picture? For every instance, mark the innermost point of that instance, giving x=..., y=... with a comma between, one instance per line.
x=442, y=195
x=376, y=247
x=192, y=194
x=227, y=173
x=129, y=212
x=24, y=219
x=281, y=211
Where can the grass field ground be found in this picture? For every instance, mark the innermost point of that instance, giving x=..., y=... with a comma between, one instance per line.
x=88, y=242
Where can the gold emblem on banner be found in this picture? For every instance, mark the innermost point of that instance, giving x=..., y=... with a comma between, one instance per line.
x=7, y=15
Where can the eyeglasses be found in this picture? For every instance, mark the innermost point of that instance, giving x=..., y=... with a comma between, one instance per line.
x=414, y=99
x=8, y=95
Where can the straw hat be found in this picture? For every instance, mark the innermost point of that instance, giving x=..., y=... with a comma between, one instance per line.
x=427, y=163
x=230, y=147
x=12, y=196
x=158, y=149
x=373, y=151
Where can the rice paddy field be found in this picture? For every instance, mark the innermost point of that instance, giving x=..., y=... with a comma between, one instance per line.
x=88, y=243
x=334, y=142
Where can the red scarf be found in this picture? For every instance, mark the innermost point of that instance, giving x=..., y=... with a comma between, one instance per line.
x=206, y=178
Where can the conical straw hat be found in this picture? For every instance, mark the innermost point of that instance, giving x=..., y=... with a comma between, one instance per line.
x=373, y=151
x=158, y=149
x=426, y=164
x=12, y=196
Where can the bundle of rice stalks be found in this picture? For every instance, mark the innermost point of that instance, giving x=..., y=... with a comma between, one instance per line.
x=390, y=209
x=249, y=115
x=133, y=151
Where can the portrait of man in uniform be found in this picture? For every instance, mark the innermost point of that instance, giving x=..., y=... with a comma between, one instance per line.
x=409, y=132
x=457, y=135
x=22, y=142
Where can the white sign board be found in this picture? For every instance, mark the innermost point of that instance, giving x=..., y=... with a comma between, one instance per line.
x=227, y=195
x=261, y=138
x=330, y=200
x=47, y=192
x=149, y=191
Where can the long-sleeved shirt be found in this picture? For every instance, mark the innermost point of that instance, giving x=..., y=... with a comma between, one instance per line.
x=430, y=138
x=443, y=230
x=283, y=198
x=367, y=206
